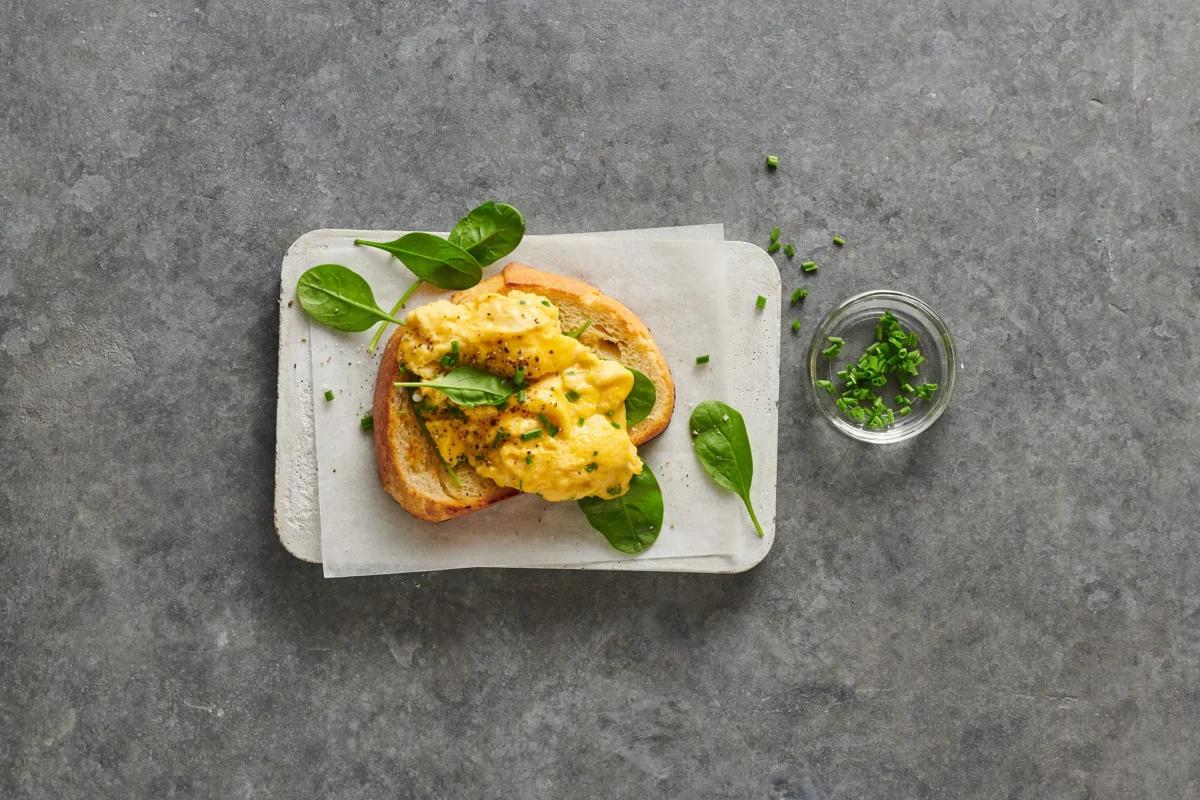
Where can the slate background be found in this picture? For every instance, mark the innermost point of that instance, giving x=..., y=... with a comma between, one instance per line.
x=1009, y=607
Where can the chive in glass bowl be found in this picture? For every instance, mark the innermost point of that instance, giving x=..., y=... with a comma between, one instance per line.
x=854, y=321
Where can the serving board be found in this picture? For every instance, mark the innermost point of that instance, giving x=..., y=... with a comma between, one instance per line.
x=331, y=508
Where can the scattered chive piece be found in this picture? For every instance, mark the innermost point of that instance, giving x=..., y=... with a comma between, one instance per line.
x=839, y=241
x=581, y=421
x=772, y=162
x=809, y=266
x=789, y=250
x=521, y=396
x=328, y=395
x=451, y=358
x=367, y=422
x=615, y=425
x=702, y=359
x=546, y=303
x=592, y=467
x=550, y=427
x=826, y=385
x=795, y=325
x=518, y=378
x=577, y=332
x=760, y=302
x=799, y=295
x=774, y=235
x=773, y=247
x=501, y=435
x=531, y=435
x=529, y=458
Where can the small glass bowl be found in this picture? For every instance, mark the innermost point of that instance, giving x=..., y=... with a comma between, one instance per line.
x=854, y=320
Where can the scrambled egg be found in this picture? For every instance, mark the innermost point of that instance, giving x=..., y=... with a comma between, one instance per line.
x=573, y=397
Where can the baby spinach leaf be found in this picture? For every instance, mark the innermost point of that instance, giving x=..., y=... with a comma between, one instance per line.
x=433, y=259
x=631, y=522
x=469, y=387
x=640, y=401
x=489, y=231
x=339, y=297
x=723, y=447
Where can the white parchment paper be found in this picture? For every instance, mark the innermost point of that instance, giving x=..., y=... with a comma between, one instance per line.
x=297, y=516
x=696, y=297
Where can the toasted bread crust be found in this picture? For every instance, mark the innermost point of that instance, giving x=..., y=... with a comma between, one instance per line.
x=409, y=468
x=401, y=450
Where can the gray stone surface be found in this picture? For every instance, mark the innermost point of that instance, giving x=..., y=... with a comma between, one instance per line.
x=1007, y=608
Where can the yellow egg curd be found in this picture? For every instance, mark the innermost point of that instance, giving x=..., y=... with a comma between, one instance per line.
x=563, y=437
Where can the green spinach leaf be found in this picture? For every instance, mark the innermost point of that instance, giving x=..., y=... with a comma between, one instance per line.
x=339, y=297
x=489, y=231
x=723, y=447
x=640, y=401
x=468, y=387
x=433, y=259
x=631, y=522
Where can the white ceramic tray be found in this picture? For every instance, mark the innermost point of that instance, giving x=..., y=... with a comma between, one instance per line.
x=746, y=374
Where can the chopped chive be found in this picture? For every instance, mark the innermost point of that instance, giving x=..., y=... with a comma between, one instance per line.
x=615, y=425
x=531, y=435
x=501, y=435
x=702, y=359
x=592, y=467
x=894, y=354
x=572, y=395
x=838, y=240
x=577, y=332
x=774, y=235
x=451, y=358
x=826, y=385
x=773, y=247
x=580, y=422
x=799, y=295
x=529, y=458
x=772, y=162
x=518, y=378
x=328, y=395
x=795, y=325
x=550, y=427
x=809, y=266
x=789, y=250
x=546, y=303
x=521, y=396
x=760, y=302
x=367, y=422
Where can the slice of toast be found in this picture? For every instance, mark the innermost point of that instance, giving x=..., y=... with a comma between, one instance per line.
x=409, y=466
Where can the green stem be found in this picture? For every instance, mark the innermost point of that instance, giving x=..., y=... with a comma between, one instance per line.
x=753, y=518
x=433, y=444
x=404, y=298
